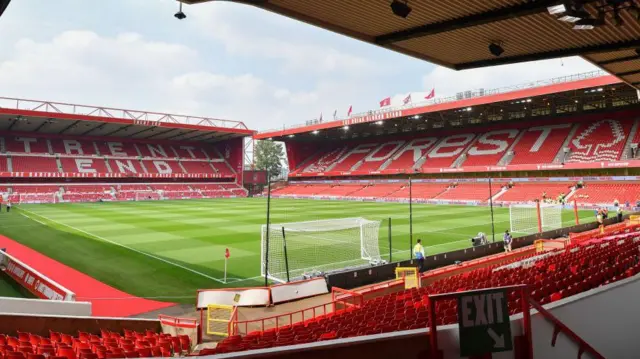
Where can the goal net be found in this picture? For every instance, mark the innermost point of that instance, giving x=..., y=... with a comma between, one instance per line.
x=148, y=196
x=25, y=198
x=292, y=250
x=535, y=218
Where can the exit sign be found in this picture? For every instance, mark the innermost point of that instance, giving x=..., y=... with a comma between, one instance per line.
x=483, y=318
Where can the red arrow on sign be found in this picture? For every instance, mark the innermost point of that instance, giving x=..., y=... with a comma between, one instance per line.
x=226, y=253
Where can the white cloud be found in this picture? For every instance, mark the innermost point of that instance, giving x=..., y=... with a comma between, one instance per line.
x=448, y=82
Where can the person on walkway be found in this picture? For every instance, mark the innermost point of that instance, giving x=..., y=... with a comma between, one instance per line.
x=418, y=252
x=507, y=241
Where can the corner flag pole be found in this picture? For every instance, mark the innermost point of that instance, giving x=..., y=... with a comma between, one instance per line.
x=226, y=259
x=266, y=244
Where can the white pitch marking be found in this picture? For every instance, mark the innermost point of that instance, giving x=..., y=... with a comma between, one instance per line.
x=127, y=247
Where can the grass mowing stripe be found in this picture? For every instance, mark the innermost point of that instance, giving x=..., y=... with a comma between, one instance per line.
x=123, y=246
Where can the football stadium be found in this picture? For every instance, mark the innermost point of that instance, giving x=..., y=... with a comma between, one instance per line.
x=495, y=223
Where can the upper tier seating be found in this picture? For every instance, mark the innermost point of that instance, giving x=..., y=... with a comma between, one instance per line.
x=592, y=141
x=565, y=273
x=122, y=156
x=34, y=164
x=490, y=147
x=540, y=144
x=599, y=141
x=525, y=192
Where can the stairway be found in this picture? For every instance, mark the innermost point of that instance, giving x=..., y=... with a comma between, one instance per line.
x=508, y=156
x=420, y=162
x=463, y=155
x=59, y=164
x=626, y=152
x=560, y=156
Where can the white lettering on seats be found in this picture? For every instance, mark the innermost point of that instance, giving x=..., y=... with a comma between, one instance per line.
x=162, y=167
x=499, y=145
x=84, y=165
x=395, y=145
x=545, y=131
x=126, y=166
x=418, y=146
x=189, y=149
x=72, y=145
x=590, y=143
x=116, y=149
x=364, y=148
x=156, y=150
x=26, y=142
x=455, y=142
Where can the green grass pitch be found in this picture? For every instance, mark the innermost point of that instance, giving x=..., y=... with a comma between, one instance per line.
x=169, y=249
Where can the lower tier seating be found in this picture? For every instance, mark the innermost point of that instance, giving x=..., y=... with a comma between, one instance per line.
x=108, y=345
x=551, y=277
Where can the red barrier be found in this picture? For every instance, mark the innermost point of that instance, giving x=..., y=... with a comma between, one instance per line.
x=35, y=282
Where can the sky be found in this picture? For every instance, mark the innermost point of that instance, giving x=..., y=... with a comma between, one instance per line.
x=225, y=60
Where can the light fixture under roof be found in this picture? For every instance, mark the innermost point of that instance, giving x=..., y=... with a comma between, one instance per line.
x=557, y=9
x=416, y=117
x=379, y=123
x=291, y=135
x=315, y=132
x=346, y=127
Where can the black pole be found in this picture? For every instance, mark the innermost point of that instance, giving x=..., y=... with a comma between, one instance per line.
x=410, y=218
x=266, y=241
x=390, y=242
x=493, y=227
x=286, y=258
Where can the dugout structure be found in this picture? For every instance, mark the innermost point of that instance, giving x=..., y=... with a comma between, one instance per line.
x=292, y=251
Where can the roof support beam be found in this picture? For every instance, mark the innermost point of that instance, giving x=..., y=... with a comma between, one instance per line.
x=162, y=133
x=576, y=51
x=116, y=131
x=44, y=123
x=180, y=134
x=524, y=9
x=621, y=59
x=99, y=127
x=69, y=127
x=142, y=131
x=627, y=73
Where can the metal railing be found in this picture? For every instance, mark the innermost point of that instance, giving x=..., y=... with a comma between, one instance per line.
x=463, y=95
x=136, y=116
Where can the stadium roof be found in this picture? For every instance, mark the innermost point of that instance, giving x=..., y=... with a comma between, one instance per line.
x=457, y=33
x=17, y=115
x=441, y=106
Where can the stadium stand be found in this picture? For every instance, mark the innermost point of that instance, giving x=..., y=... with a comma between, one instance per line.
x=525, y=192
x=587, y=141
x=469, y=192
x=108, y=345
x=607, y=193
x=553, y=275
x=602, y=140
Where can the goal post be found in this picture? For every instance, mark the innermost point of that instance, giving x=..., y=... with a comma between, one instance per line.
x=147, y=196
x=534, y=218
x=26, y=198
x=299, y=249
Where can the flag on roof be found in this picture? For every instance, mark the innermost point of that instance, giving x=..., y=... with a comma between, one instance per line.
x=406, y=99
x=385, y=102
x=431, y=94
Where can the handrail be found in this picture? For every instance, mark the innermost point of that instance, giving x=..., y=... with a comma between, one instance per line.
x=560, y=327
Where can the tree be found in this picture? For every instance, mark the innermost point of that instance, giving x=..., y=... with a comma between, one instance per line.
x=269, y=157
